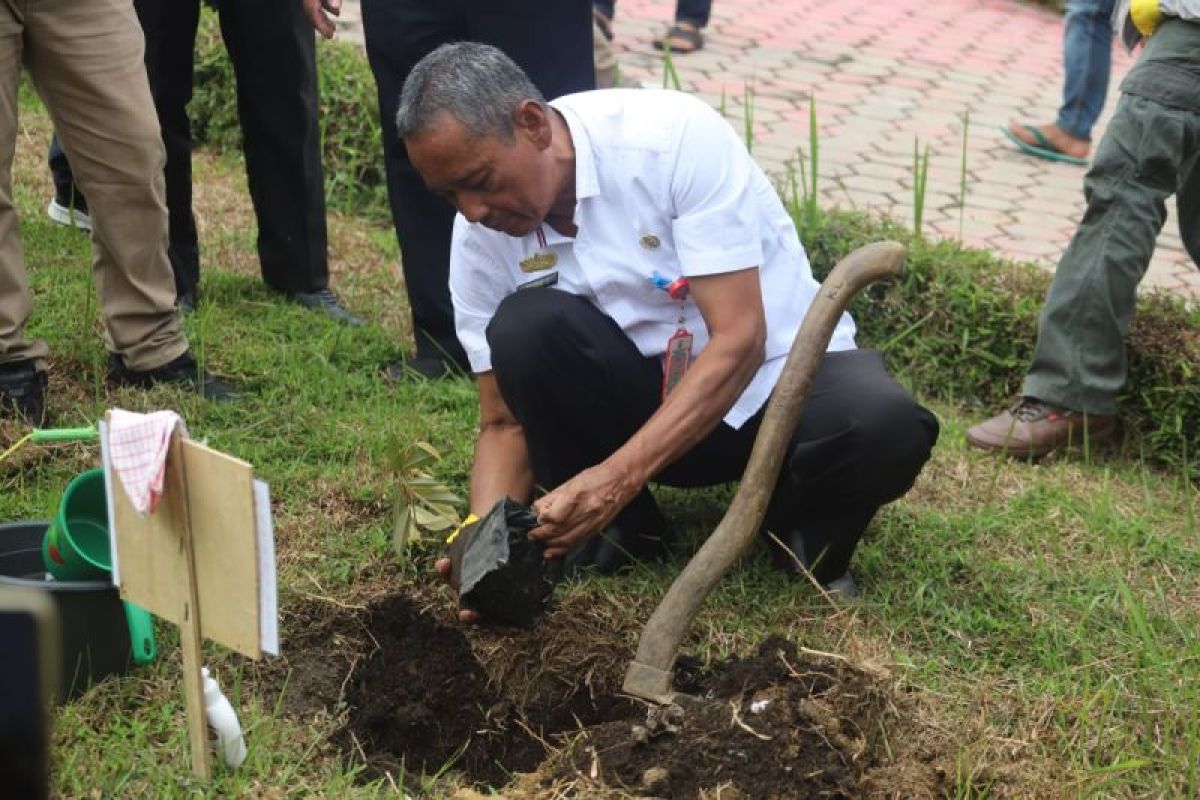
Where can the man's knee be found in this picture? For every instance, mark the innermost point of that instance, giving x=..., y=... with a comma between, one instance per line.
x=897, y=435
x=876, y=437
x=527, y=325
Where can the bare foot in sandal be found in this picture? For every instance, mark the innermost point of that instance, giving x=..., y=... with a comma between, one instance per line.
x=682, y=37
x=1060, y=140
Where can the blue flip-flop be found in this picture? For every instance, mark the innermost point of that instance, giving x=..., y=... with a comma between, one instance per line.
x=1044, y=148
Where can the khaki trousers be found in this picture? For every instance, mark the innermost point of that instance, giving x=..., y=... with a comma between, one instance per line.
x=85, y=58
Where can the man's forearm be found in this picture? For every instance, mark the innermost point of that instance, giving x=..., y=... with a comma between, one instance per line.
x=696, y=406
x=501, y=468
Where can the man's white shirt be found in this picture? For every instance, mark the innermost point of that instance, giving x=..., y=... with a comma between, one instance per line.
x=663, y=187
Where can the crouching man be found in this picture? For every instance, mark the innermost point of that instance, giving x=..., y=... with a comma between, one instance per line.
x=626, y=285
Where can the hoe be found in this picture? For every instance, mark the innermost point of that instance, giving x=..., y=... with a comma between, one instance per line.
x=649, y=676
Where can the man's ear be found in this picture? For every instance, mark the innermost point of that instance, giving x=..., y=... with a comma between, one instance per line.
x=531, y=119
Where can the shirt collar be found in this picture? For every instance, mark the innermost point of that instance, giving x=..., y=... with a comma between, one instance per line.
x=587, y=182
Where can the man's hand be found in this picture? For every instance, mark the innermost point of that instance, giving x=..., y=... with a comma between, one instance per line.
x=444, y=568
x=581, y=507
x=316, y=10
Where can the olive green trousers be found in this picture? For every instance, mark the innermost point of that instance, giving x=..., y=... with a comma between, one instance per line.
x=1149, y=152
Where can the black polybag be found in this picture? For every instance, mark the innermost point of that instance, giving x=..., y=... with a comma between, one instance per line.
x=499, y=572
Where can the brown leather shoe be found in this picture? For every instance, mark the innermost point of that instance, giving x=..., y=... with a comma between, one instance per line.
x=1031, y=429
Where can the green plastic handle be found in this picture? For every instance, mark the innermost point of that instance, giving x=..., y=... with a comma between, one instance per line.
x=41, y=435
x=141, y=634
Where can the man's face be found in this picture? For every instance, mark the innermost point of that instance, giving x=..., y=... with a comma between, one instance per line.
x=506, y=186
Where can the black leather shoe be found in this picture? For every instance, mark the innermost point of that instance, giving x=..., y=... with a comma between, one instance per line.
x=183, y=371
x=843, y=588
x=325, y=300
x=430, y=368
x=639, y=533
x=614, y=549
x=23, y=392
x=793, y=559
x=186, y=301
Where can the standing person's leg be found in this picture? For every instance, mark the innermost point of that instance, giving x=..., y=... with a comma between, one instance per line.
x=68, y=206
x=606, y=8
x=1188, y=196
x=1079, y=363
x=684, y=36
x=1087, y=64
x=695, y=12
x=398, y=34
x=170, y=31
x=1087, y=61
x=273, y=50
x=551, y=40
x=86, y=61
x=22, y=360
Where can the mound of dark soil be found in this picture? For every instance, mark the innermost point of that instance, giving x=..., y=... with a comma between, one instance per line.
x=420, y=695
x=775, y=725
x=421, y=702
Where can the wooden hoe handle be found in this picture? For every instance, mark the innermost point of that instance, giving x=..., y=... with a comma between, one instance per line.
x=650, y=674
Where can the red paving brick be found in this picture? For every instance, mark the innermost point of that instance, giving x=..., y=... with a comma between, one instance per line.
x=884, y=74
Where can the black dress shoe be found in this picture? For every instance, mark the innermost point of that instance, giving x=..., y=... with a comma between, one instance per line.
x=325, y=300
x=639, y=533
x=186, y=301
x=615, y=549
x=430, y=368
x=183, y=371
x=23, y=392
x=793, y=558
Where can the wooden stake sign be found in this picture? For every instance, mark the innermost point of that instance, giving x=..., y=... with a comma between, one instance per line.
x=200, y=561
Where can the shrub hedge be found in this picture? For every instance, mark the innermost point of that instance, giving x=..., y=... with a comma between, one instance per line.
x=959, y=326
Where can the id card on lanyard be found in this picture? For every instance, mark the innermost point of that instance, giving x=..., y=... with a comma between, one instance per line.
x=677, y=357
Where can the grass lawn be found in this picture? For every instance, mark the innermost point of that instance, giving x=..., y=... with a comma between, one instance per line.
x=1037, y=623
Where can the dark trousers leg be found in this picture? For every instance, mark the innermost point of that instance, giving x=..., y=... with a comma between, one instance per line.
x=398, y=34
x=860, y=444
x=60, y=169
x=579, y=394
x=696, y=12
x=273, y=50
x=170, y=28
x=580, y=389
x=550, y=39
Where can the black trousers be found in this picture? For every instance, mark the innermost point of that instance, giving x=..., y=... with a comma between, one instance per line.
x=580, y=388
x=271, y=45
x=550, y=39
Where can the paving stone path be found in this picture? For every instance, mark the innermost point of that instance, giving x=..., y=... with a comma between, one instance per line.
x=884, y=75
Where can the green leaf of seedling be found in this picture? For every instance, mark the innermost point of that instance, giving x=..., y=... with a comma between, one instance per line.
x=403, y=528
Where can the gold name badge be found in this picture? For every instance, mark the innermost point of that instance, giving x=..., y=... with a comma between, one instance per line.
x=650, y=241
x=541, y=260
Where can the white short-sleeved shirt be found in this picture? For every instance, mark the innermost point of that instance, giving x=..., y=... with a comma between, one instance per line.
x=663, y=186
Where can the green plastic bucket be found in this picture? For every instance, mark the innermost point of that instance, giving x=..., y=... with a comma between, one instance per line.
x=76, y=546
x=76, y=549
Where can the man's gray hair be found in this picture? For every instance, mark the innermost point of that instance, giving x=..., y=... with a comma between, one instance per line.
x=475, y=83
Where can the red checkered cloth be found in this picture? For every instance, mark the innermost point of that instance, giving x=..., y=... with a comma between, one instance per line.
x=137, y=447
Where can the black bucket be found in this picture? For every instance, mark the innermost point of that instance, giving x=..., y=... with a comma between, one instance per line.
x=94, y=641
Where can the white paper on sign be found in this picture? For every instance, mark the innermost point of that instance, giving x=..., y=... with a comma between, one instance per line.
x=106, y=463
x=268, y=599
